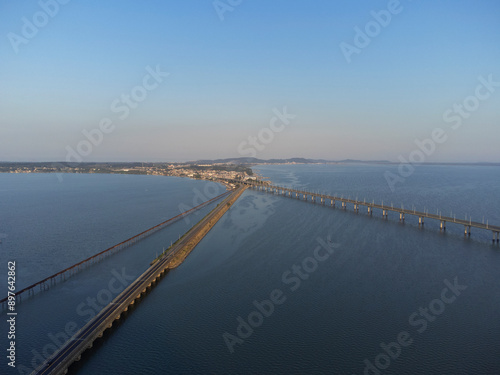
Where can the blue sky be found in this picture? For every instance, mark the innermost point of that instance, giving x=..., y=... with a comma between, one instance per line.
x=227, y=77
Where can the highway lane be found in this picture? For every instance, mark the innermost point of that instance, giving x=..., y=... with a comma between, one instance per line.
x=84, y=338
x=107, y=312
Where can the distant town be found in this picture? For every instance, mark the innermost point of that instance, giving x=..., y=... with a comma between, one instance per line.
x=217, y=171
x=236, y=169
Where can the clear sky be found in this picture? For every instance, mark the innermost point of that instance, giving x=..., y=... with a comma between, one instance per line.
x=411, y=67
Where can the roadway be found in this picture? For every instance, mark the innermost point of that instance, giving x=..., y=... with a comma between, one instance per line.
x=72, y=350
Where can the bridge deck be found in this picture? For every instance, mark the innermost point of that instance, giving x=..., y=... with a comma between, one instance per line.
x=44, y=284
x=467, y=223
x=72, y=350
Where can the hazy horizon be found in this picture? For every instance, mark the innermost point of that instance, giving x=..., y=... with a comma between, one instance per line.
x=371, y=80
x=184, y=161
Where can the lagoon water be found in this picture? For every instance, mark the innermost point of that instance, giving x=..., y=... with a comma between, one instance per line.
x=369, y=288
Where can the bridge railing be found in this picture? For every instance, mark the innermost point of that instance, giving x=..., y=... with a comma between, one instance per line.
x=443, y=219
x=42, y=284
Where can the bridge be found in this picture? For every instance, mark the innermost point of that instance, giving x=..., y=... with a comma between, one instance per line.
x=69, y=271
x=84, y=339
x=370, y=206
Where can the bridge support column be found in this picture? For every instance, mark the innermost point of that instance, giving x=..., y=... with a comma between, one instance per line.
x=442, y=226
x=401, y=216
x=370, y=211
x=343, y=205
x=420, y=220
x=356, y=207
x=384, y=213
x=467, y=230
x=332, y=201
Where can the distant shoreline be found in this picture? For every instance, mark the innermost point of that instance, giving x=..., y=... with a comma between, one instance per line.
x=237, y=161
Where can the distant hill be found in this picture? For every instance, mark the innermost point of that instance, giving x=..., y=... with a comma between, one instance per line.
x=244, y=160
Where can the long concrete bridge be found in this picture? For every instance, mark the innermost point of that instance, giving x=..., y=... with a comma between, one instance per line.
x=69, y=271
x=84, y=339
x=384, y=209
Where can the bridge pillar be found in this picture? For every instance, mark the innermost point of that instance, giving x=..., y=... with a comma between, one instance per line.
x=343, y=205
x=467, y=230
x=322, y=200
x=420, y=220
x=384, y=213
x=313, y=199
x=442, y=226
x=356, y=207
x=370, y=210
x=401, y=216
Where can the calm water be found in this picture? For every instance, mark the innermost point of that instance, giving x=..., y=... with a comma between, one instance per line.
x=49, y=225
x=373, y=281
